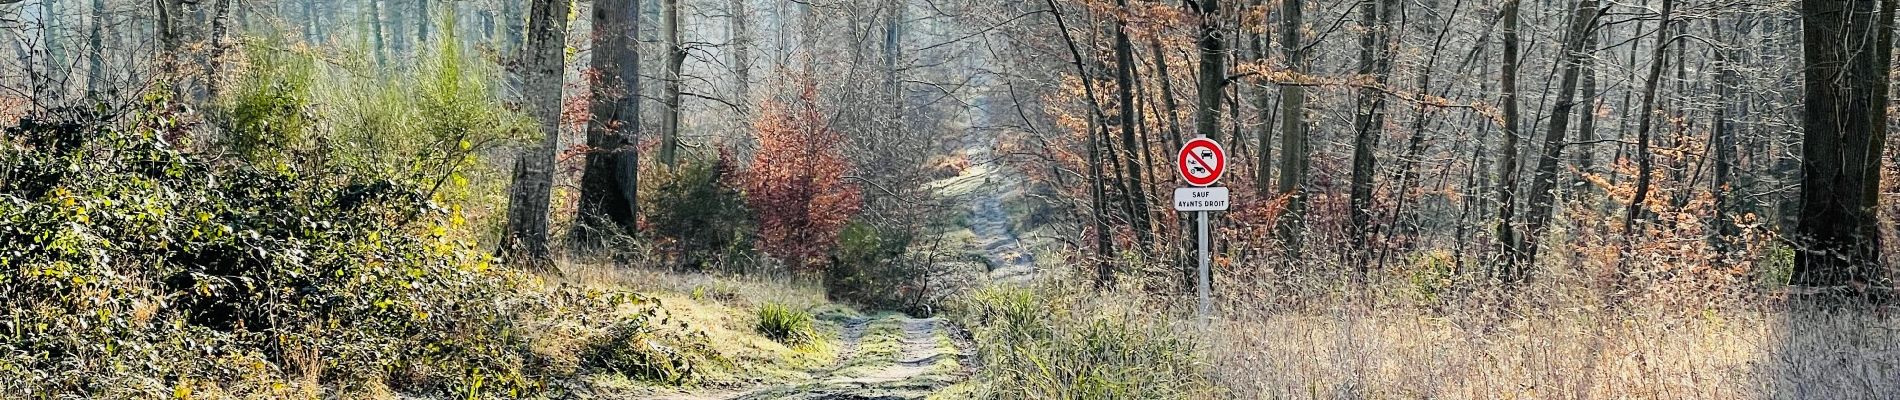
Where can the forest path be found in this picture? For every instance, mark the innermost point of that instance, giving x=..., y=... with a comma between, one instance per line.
x=888, y=356
x=996, y=239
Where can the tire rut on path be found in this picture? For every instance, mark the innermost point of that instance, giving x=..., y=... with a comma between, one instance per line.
x=868, y=368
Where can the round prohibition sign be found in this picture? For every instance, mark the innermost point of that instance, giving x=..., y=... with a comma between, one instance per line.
x=1201, y=162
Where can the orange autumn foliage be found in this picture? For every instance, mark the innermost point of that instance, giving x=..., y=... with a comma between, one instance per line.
x=795, y=187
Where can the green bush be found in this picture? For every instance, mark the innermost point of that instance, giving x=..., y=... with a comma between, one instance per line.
x=129, y=269
x=785, y=324
x=268, y=109
x=871, y=266
x=428, y=126
x=695, y=209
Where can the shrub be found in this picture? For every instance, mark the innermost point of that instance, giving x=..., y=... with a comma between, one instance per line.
x=796, y=185
x=871, y=267
x=129, y=268
x=695, y=208
x=785, y=324
x=268, y=109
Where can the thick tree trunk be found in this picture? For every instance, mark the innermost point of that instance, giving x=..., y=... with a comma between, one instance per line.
x=1293, y=146
x=1723, y=141
x=1213, y=72
x=670, y=80
x=1544, y=182
x=1848, y=49
x=526, y=237
x=610, y=181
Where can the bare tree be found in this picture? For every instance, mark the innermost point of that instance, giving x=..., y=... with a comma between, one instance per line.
x=1544, y=181
x=1507, y=161
x=670, y=81
x=1848, y=51
x=1375, y=20
x=1293, y=142
x=1644, y=159
x=1139, y=218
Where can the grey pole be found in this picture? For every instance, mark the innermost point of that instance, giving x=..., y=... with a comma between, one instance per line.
x=1205, y=287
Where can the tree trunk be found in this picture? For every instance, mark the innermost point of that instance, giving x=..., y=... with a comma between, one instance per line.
x=511, y=26
x=1139, y=218
x=742, y=72
x=1105, y=276
x=1544, y=183
x=1587, y=119
x=55, y=62
x=610, y=181
x=1645, y=124
x=526, y=238
x=376, y=31
x=214, y=61
x=96, y=72
x=670, y=109
x=423, y=19
x=1507, y=161
x=1723, y=142
x=1374, y=25
x=1293, y=149
x=170, y=45
x=1847, y=48
x=310, y=21
x=1169, y=105
x=1263, y=142
x=1213, y=72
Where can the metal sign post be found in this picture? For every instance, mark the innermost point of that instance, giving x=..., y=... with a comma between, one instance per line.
x=1201, y=162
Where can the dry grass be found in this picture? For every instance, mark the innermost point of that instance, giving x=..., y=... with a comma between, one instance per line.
x=1560, y=338
x=1582, y=353
x=722, y=307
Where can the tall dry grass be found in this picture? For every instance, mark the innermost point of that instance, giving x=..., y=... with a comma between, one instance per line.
x=1575, y=351
x=1667, y=316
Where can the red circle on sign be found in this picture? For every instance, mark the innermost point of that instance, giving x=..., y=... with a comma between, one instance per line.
x=1201, y=162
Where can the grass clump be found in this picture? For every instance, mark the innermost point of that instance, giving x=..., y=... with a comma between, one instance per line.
x=1045, y=344
x=785, y=324
x=645, y=348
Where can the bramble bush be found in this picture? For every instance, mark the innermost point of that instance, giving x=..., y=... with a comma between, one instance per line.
x=129, y=268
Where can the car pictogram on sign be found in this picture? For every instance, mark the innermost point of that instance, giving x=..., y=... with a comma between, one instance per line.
x=1201, y=162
